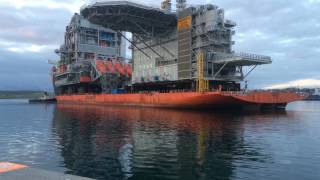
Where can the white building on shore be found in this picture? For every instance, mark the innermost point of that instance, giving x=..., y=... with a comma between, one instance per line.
x=317, y=91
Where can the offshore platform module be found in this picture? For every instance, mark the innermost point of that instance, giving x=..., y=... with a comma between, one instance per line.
x=166, y=47
x=91, y=60
x=181, y=58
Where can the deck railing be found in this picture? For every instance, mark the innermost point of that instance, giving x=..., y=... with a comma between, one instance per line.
x=240, y=55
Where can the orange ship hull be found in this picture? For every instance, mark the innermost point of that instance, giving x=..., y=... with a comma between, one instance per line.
x=187, y=99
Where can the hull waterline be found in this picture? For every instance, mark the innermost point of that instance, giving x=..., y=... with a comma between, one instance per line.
x=193, y=100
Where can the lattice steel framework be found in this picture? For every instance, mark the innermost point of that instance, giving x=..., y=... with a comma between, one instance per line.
x=202, y=83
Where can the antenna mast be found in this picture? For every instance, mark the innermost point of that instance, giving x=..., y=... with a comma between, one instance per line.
x=181, y=4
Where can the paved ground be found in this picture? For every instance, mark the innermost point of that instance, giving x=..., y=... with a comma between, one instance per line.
x=10, y=171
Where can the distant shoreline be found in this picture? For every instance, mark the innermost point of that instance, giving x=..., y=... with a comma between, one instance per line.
x=20, y=94
x=313, y=98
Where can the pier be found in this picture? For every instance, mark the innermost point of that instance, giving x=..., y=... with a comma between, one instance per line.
x=12, y=171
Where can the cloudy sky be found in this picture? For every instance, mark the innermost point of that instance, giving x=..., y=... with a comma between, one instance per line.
x=286, y=30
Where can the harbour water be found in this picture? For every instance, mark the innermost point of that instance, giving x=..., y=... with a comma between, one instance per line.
x=146, y=143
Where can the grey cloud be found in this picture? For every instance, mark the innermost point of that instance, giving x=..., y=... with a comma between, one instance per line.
x=294, y=23
x=25, y=71
x=33, y=25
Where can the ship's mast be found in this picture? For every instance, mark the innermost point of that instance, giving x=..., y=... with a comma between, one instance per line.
x=181, y=4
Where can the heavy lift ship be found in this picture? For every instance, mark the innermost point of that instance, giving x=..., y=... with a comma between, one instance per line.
x=181, y=59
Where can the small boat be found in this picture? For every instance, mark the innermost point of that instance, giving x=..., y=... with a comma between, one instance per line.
x=44, y=99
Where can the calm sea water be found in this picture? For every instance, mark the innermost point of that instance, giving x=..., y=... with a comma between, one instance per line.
x=146, y=143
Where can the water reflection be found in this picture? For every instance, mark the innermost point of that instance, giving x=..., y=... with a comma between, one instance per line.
x=146, y=143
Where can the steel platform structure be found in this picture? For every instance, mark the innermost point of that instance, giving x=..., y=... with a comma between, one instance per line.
x=160, y=36
x=130, y=17
x=241, y=59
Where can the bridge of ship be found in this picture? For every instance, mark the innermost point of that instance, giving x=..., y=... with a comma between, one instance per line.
x=146, y=22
